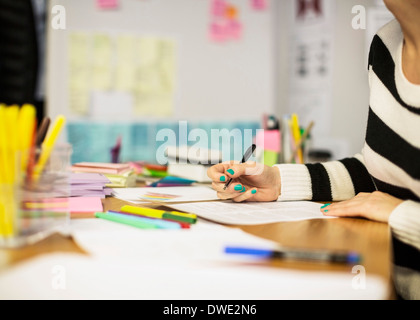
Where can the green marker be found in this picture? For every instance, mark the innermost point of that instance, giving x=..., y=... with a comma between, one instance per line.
x=178, y=217
x=126, y=221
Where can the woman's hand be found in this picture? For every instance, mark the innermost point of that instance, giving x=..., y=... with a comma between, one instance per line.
x=251, y=181
x=374, y=206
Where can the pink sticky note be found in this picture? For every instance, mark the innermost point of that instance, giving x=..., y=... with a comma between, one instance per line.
x=107, y=4
x=85, y=204
x=234, y=29
x=218, y=8
x=269, y=140
x=259, y=4
x=218, y=31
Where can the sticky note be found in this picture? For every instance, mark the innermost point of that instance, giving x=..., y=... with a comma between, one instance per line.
x=218, y=8
x=107, y=4
x=269, y=140
x=271, y=158
x=259, y=4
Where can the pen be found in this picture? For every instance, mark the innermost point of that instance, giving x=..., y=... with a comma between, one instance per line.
x=42, y=131
x=302, y=141
x=245, y=158
x=161, y=224
x=296, y=135
x=48, y=145
x=295, y=254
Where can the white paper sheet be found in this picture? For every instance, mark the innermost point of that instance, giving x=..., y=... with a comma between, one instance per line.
x=165, y=194
x=124, y=262
x=72, y=276
x=204, y=241
x=253, y=213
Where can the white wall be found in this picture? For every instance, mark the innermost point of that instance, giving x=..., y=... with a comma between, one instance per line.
x=227, y=82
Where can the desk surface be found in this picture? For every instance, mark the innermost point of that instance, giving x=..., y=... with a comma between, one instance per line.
x=370, y=239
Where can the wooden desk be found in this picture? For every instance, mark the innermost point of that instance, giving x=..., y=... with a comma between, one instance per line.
x=370, y=239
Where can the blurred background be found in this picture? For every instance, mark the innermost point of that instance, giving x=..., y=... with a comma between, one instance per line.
x=124, y=69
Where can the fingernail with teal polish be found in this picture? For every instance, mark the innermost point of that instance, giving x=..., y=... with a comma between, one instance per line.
x=325, y=211
x=238, y=187
x=325, y=205
x=254, y=191
x=231, y=171
x=222, y=178
x=243, y=189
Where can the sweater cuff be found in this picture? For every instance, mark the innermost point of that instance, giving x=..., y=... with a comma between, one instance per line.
x=405, y=222
x=295, y=182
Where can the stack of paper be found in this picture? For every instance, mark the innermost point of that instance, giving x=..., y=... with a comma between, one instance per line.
x=100, y=167
x=119, y=174
x=89, y=185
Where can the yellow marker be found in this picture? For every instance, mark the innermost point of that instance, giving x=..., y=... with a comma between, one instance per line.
x=10, y=123
x=296, y=135
x=48, y=145
x=160, y=214
x=26, y=127
x=4, y=169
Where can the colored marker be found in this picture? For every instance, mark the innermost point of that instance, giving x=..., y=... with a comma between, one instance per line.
x=126, y=221
x=162, y=224
x=183, y=225
x=161, y=214
x=294, y=254
x=48, y=145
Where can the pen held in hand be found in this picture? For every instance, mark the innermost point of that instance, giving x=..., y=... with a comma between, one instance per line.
x=245, y=158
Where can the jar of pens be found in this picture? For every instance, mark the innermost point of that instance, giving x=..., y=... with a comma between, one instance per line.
x=34, y=177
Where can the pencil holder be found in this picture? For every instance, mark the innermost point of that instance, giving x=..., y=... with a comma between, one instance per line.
x=36, y=205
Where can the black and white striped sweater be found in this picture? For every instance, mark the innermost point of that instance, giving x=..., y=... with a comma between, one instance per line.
x=390, y=160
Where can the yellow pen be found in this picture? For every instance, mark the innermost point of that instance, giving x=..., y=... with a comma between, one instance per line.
x=48, y=145
x=9, y=150
x=160, y=214
x=11, y=119
x=4, y=169
x=26, y=127
x=296, y=135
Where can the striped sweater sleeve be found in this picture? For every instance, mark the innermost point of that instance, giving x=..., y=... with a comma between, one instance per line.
x=328, y=181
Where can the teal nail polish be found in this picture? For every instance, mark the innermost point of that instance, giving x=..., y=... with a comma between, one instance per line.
x=243, y=189
x=325, y=205
x=254, y=191
x=325, y=210
x=231, y=171
x=223, y=178
x=238, y=187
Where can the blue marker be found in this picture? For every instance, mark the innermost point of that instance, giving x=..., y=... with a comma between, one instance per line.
x=295, y=254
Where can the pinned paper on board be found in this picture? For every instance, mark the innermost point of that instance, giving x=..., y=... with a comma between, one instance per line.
x=225, y=24
x=259, y=5
x=79, y=75
x=139, y=70
x=107, y=4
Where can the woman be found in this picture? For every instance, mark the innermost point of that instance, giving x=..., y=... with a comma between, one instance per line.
x=383, y=182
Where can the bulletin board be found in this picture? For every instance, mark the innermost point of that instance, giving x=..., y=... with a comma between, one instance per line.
x=161, y=60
